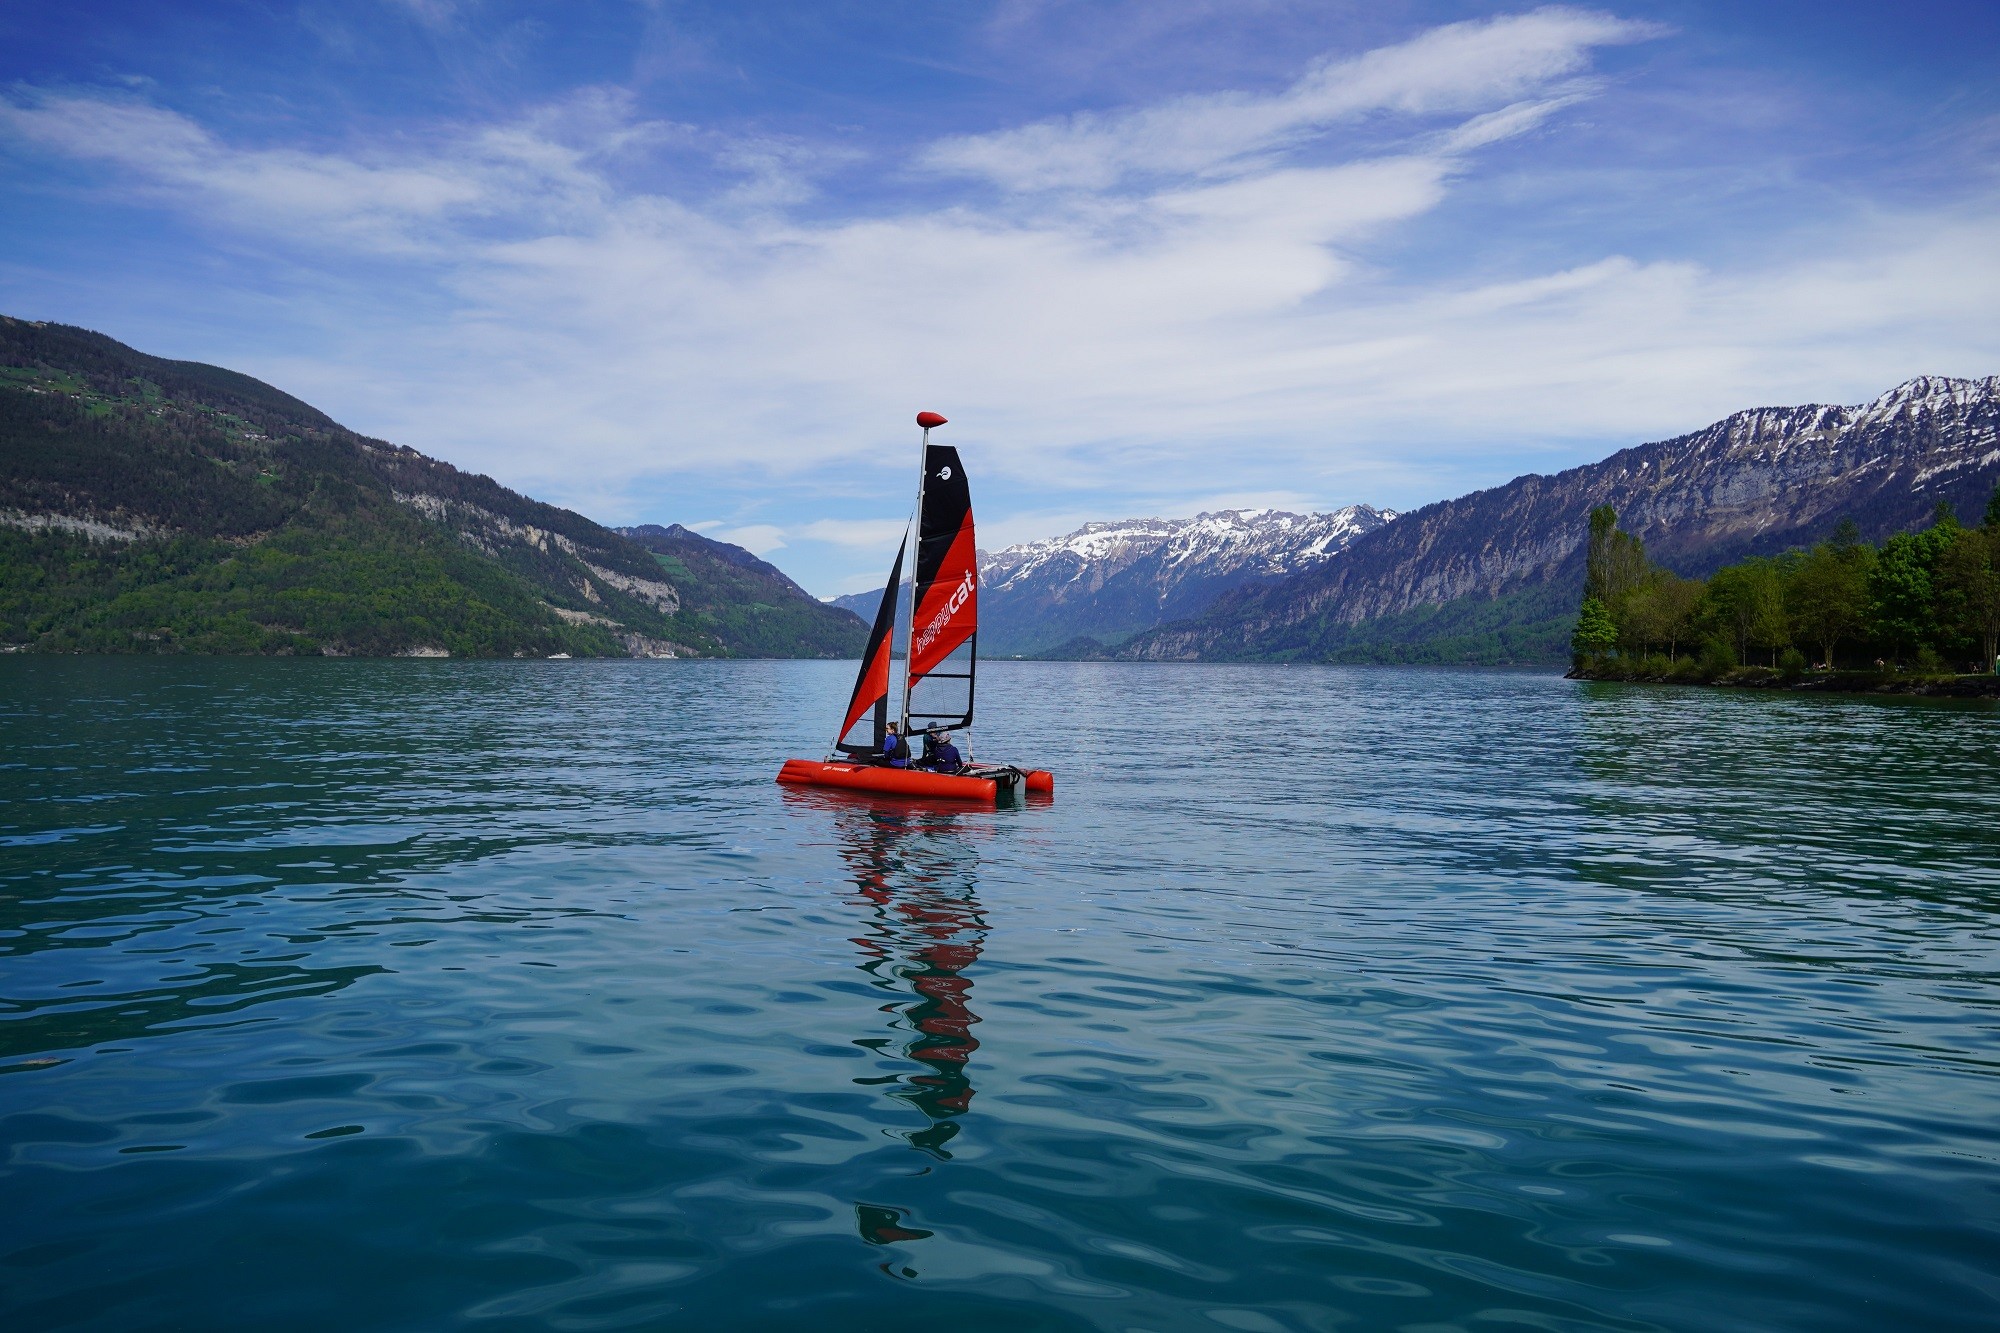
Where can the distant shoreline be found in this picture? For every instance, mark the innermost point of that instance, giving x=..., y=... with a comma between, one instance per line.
x=1818, y=682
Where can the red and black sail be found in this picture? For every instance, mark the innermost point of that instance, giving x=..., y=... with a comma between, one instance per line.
x=946, y=589
x=871, y=686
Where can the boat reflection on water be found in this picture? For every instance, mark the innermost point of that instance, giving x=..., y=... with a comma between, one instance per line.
x=914, y=874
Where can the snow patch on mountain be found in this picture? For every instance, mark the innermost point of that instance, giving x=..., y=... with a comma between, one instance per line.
x=1257, y=542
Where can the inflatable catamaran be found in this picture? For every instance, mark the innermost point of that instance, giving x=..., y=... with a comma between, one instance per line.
x=941, y=663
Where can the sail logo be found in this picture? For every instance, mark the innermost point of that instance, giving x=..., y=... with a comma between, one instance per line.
x=959, y=597
x=944, y=473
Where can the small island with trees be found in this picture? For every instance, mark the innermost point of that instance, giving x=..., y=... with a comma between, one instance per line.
x=1919, y=614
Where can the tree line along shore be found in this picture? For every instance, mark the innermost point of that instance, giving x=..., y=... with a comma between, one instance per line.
x=1919, y=613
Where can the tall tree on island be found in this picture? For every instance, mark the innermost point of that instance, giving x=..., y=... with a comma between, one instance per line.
x=1614, y=562
x=1615, y=569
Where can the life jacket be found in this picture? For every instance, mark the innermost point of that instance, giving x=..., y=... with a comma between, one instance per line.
x=946, y=759
x=897, y=751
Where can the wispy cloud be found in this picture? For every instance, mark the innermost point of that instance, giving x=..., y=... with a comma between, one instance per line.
x=377, y=202
x=756, y=538
x=869, y=534
x=1452, y=69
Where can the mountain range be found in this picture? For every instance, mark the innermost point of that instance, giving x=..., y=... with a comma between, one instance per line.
x=1495, y=575
x=153, y=505
x=1108, y=581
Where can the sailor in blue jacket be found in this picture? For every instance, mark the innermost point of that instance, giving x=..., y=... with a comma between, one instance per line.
x=940, y=755
x=895, y=750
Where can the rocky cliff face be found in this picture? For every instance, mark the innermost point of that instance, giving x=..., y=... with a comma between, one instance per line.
x=1110, y=580
x=1758, y=481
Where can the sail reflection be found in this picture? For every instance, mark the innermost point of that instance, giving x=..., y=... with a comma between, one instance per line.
x=925, y=929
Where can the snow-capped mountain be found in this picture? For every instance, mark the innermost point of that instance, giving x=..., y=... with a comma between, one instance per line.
x=1108, y=581
x=1757, y=482
x=1262, y=542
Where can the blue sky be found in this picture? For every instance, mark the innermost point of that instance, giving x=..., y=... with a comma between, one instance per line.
x=703, y=262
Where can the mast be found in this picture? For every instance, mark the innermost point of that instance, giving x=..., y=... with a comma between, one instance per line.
x=925, y=420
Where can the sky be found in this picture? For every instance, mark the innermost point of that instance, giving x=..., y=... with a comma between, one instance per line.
x=703, y=262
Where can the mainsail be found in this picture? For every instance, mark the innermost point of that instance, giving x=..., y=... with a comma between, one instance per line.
x=871, y=686
x=944, y=596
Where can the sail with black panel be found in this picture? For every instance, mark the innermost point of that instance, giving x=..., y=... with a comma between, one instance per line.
x=943, y=658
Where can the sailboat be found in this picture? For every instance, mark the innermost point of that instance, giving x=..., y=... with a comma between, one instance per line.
x=940, y=661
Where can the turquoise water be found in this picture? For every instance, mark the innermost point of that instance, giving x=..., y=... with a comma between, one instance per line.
x=424, y=995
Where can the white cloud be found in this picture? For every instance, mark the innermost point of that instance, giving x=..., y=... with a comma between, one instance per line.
x=1452, y=69
x=534, y=176
x=258, y=189
x=862, y=582
x=756, y=538
x=868, y=534
x=1505, y=123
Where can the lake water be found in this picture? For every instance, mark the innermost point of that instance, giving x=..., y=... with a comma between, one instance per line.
x=421, y=995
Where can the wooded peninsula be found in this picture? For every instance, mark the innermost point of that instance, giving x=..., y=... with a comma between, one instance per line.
x=1920, y=612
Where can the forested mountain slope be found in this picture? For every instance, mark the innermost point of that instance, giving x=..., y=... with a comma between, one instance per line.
x=751, y=604
x=155, y=505
x=1495, y=575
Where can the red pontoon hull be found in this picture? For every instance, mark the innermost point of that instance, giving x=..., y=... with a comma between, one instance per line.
x=884, y=781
